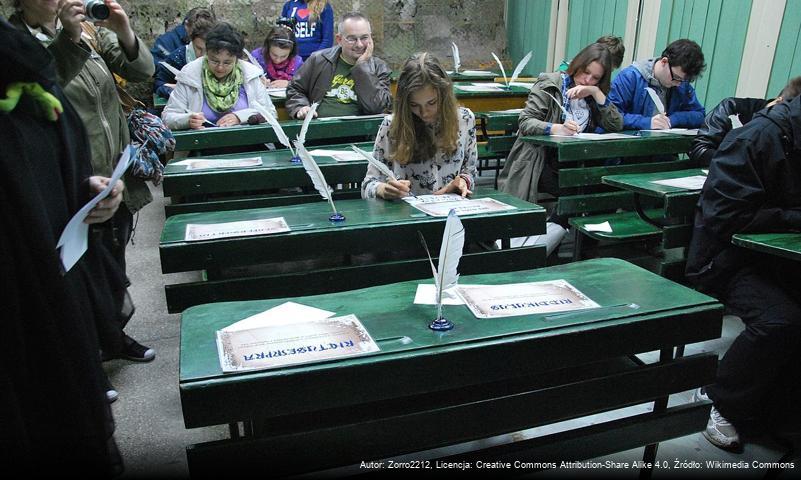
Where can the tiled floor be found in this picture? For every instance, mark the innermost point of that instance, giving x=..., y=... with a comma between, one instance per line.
x=152, y=437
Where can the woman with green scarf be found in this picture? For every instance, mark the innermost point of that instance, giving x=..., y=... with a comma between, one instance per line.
x=218, y=88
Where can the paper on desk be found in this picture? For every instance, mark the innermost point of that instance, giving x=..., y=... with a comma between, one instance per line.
x=284, y=314
x=277, y=92
x=511, y=110
x=487, y=87
x=74, y=239
x=338, y=155
x=426, y=293
x=212, y=163
x=247, y=228
x=679, y=131
x=599, y=227
x=477, y=73
x=353, y=117
x=695, y=182
x=599, y=136
x=527, y=85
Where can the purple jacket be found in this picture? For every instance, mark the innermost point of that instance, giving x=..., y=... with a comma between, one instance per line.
x=284, y=71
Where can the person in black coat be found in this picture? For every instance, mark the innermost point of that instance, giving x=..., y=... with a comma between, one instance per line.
x=753, y=186
x=54, y=415
x=718, y=122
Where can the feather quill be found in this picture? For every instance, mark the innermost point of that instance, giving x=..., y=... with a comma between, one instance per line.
x=520, y=66
x=449, y=255
x=381, y=167
x=503, y=72
x=252, y=59
x=169, y=67
x=568, y=115
x=457, y=61
x=306, y=121
x=656, y=100
x=279, y=132
x=315, y=174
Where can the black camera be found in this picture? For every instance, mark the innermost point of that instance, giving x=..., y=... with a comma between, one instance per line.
x=95, y=10
x=287, y=22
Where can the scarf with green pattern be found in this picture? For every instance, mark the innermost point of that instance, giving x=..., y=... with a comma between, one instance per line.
x=221, y=95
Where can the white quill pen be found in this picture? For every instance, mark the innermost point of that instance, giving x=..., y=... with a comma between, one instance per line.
x=520, y=66
x=279, y=132
x=252, y=60
x=306, y=121
x=164, y=50
x=568, y=115
x=503, y=72
x=315, y=174
x=372, y=161
x=457, y=61
x=380, y=166
x=446, y=275
x=655, y=98
x=169, y=67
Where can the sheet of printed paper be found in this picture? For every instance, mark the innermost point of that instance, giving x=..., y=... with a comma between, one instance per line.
x=297, y=343
x=695, y=182
x=74, y=240
x=212, y=163
x=463, y=207
x=679, y=131
x=488, y=87
x=600, y=136
x=247, y=228
x=285, y=314
x=532, y=298
x=352, y=117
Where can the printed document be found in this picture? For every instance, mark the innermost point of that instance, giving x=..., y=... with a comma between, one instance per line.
x=695, y=182
x=211, y=231
x=532, y=298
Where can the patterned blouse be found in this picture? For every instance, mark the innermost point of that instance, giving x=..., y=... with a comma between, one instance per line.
x=432, y=174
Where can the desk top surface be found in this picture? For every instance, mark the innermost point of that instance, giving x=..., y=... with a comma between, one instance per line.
x=271, y=160
x=787, y=245
x=642, y=183
x=313, y=217
x=640, y=143
x=322, y=128
x=627, y=294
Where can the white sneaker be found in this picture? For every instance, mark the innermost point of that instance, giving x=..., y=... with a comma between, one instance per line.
x=720, y=432
x=554, y=233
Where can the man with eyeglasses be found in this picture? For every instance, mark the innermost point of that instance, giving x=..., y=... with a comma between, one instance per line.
x=345, y=79
x=669, y=76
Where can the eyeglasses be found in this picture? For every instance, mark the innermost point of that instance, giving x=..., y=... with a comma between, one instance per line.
x=354, y=40
x=217, y=63
x=675, y=77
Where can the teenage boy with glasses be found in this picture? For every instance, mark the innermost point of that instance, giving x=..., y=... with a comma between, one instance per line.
x=345, y=79
x=670, y=76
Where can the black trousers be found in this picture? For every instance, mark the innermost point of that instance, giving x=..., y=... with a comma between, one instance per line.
x=757, y=381
x=115, y=235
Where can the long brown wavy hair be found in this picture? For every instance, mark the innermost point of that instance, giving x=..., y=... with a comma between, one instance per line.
x=410, y=140
x=316, y=7
x=594, y=52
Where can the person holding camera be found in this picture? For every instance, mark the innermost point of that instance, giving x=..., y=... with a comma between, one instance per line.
x=313, y=22
x=87, y=55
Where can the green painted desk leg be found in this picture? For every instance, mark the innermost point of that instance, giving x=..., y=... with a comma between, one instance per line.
x=660, y=405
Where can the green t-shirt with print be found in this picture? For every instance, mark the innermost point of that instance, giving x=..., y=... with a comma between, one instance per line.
x=340, y=99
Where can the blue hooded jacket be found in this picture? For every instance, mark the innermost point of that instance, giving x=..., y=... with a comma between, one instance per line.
x=629, y=95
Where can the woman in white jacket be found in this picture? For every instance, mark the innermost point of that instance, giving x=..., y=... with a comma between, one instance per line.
x=218, y=88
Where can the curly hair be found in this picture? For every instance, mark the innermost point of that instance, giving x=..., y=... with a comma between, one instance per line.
x=223, y=36
x=410, y=140
x=686, y=54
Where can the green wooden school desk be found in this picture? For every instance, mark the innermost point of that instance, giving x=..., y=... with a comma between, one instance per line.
x=514, y=97
x=371, y=226
x=319, y=129
x=787, y=245
x=485, y=377
x=276, y=171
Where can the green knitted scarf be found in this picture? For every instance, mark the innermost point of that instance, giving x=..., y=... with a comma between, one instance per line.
x=221, y=95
